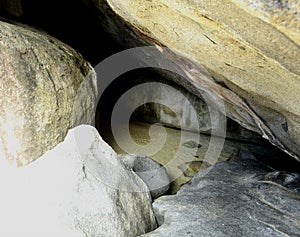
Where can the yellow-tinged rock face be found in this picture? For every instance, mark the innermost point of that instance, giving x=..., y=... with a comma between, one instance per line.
x=251, y=49
x=284, y=15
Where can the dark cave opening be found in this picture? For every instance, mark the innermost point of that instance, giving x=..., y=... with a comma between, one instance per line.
x=259, y=147
x=77, y=25
x=72, y=22
x=253, y=188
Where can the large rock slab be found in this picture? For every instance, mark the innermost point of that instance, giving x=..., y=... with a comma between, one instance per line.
x=235, y=198
x=247, y=56
x=46, y=88
x=80, y=188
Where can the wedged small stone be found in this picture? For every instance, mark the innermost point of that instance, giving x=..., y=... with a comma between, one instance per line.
x=286, y=179
x=80, y=188
x=192, y=144
x=151, y=172
x=189, y=169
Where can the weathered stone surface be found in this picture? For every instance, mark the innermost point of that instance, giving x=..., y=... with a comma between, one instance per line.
x=80, y=188
x=284, y=15
x=151, y=172
x=46, y=88
x=179, y=108
x=253, y=64
x=235, y=198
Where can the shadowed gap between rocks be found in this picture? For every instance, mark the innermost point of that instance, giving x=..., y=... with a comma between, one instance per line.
x=72, y=22
x=236, y=135
x=79, y=26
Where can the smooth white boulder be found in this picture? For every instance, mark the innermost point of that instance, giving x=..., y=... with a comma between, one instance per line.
x=80, y=188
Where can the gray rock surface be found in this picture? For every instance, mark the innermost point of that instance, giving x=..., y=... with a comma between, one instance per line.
x=46, y=88
x=235, y=198
x=80, y=188
x=151, y=172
